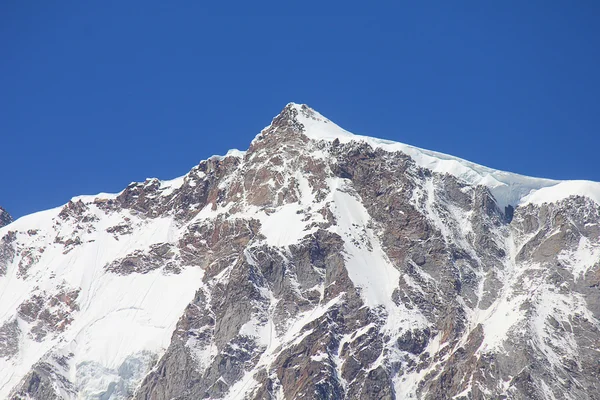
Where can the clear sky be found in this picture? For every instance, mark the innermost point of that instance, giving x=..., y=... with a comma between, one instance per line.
x=95, y=95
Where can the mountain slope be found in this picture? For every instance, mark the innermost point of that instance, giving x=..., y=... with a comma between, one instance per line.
x=317, y=264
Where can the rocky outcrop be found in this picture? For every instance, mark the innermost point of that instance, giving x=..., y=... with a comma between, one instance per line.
x=7, y=250
x=49, y=314
x=5, y=217
x=9, y=339
x=44, y=381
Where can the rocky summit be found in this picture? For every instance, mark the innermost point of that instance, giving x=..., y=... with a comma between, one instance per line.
x=317, y=264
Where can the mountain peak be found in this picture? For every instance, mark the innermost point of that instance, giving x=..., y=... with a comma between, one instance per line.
x=288, y=118
x=300, y=118
x=507, y=188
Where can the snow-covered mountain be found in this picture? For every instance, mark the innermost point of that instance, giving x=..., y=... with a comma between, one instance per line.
x=316, y=264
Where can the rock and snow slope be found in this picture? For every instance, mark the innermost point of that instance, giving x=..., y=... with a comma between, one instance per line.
x=317, y=264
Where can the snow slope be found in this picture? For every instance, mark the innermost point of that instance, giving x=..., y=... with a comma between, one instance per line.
x=562, y=190
x=117, y=317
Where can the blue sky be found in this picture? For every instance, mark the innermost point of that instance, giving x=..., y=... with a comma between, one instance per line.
x=98, y=94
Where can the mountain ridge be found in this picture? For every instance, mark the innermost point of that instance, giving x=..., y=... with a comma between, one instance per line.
x=496, y=176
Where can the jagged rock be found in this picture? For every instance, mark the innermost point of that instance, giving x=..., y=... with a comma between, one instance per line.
x=49, y=313
x=43, y=382
x=159, y=255
x=7, y=250
x=9, y=339
x=5, y=217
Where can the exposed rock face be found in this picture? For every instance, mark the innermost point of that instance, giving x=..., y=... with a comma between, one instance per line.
x=315, y=265
x=49, y=314
x=7, y=251
x=9, y=339
x=5, y=217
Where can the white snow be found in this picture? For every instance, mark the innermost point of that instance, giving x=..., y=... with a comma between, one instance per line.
x=168, y=187
x=581, y=259
x=230, y=153
x=285, y=226
x=137, y=312
x=118, y=317
x=563, y=190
